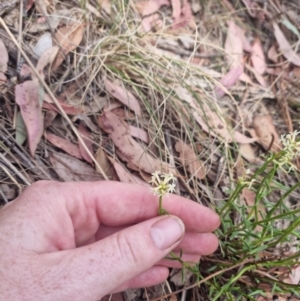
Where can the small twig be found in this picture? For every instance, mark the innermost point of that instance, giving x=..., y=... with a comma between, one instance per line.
x=26, y=161
x=4, y=198
x=20, y=175
x=3, y=167
x=183, y=295
x=20, y=31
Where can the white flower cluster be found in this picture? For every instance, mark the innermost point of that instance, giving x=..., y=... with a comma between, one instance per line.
x=291, y=150
x=163, y=182
x=243, y=180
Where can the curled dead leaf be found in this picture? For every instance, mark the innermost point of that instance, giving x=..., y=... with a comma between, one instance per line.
x=86, y=137
x=102, y=159
x=124, y=96
x=125, y=176
x=68, y=37
x=190, y=160
x=47, y=58
x=272, y=54
x=266, y=131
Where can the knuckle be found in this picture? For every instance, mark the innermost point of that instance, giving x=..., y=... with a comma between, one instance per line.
x=40, y=185
x=128, y=248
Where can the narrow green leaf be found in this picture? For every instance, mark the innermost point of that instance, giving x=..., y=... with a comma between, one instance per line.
x=21, y=134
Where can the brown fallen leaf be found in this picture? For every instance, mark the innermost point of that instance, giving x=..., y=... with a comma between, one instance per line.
x=50, y=105
x=87, y=121
x=228, y=80
x=124, y=96
x=47, y=58
x=189, y=160
x=69, y=110
x=102, y=159
x=105, y=5
x=86, y=137
x=71, y=169
x=272, y=54
x=124, y=114
x=29, y=97
x=3, y=61
x=152, y=22
x=248, y=153
x=234, y=45
x=26, y=71
x=258, y=57
x=151, y=6
x=176, y=7
x=112, y=104
x=184, y=18
x=266, y=131
x=139, y=133
x=258, y=77
x=68, y=37
x=125, y=176
x=294, y=276
x=131, y=150
x=285, y=46
x=65, y=145
x=49, y=117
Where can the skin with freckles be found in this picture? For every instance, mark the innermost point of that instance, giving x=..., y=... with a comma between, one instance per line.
x=83, y=240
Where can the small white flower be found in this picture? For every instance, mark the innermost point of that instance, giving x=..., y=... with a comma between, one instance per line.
x=291, y=150
x=163, y=182
x=244, y=181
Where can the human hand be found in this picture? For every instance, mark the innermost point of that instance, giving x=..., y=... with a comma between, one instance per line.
x=83, y=240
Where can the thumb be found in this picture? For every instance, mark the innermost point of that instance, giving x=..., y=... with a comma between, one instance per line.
x=97, y=269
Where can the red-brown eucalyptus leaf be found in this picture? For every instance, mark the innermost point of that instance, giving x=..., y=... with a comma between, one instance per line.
x=65, y=145
x=28, y=97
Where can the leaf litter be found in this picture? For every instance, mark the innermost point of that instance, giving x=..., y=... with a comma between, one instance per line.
x=154, y=93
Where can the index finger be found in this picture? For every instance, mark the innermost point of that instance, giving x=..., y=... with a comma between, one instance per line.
x=117, y=204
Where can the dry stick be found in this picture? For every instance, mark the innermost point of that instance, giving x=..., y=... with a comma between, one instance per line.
x=4, y=198
x=63, y=113
x=26, y=161
x=20, y=31
x=17, y=172
x=205, y=279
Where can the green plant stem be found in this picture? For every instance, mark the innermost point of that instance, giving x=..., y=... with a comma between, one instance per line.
x=173, y=256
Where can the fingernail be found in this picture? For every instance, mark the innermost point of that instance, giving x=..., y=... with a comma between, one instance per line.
x=166, y=232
